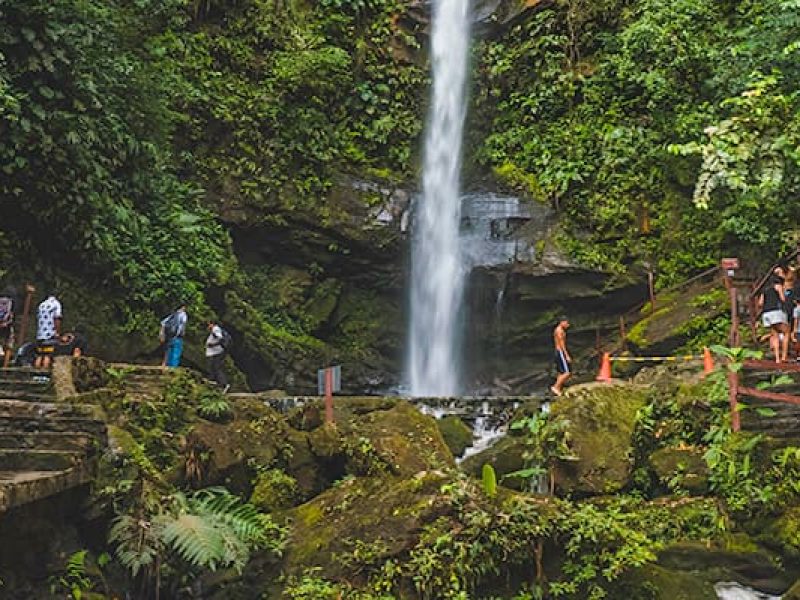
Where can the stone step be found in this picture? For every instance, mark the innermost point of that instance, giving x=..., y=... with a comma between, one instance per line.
x=25, y=384
x=27, y=395
x=17, y=408
x=21, y=487
x=34, y=425
x=23, y=373
x=39, y=460
x=48, y=440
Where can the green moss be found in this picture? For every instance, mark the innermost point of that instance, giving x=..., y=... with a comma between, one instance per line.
x=786, y=531
x=518, y=179
x=505, y=456
x=456, y=434
x=637, y=335
x=653, y=582
x=274, y=490
x=681, y=469
x=600, y=424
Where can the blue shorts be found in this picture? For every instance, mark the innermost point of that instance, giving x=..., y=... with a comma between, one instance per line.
x=562, y=365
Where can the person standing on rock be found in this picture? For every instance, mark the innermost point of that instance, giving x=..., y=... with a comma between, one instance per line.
x=562, y=357
x=217, y=344
x=173, y=329
x=49, y=317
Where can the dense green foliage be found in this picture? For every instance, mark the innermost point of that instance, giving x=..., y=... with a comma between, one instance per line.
x=594, y=106
x=137, y=136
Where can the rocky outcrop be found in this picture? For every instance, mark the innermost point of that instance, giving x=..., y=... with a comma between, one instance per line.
x=505, y=456
x=401, y=439
x=369, y=510
x=690, y=571
x=600, y=423
x=456, y=434
x=681, y=469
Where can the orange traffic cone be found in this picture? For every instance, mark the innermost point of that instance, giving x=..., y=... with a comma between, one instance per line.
x=605, y=368
x=708, y=362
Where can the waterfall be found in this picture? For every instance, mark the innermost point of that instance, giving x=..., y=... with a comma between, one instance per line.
x=437, y=269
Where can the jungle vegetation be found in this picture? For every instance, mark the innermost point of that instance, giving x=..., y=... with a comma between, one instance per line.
x=131, y=132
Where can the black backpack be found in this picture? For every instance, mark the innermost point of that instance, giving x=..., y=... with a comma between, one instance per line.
x=226, y=340
x=170, y=325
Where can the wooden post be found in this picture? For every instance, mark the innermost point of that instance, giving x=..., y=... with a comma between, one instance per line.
x=729, y=266
x=735, y=342
x=329, y=395
x=733, y=397
x=651, y=288
x=23, y=328
x=622, y=333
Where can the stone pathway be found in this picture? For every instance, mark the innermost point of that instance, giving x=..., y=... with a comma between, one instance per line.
x=46, y=446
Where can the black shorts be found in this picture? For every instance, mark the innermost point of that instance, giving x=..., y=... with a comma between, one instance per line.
x=562, y=365
x=46, y=347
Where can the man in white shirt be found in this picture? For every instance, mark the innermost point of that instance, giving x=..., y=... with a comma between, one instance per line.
x=49, y=316
x=216, y=349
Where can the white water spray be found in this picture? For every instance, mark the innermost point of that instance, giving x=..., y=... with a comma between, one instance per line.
x=437, y=270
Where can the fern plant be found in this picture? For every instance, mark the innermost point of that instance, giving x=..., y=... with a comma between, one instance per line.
x=214, y=406
x=207, y=530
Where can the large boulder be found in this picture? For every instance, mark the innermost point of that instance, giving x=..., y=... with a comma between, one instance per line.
x=505, y=456
x=391, y=511
x=457, y=435
x=690, y=571
x=403, y=439
x=228, y=452
x=600, y=422
x=681, y=468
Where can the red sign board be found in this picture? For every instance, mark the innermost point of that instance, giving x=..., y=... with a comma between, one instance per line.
x=730, y=264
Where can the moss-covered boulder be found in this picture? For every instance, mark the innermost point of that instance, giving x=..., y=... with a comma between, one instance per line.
x=737, y=558
x=654, y=582
x=785, y=531
x=403, y=439
x=689, y=571
x=681, y=469
x=505, y=455
x=386, y=514
x=301, y=463
x=274, y=490
x=229, y=451
x=600, y=422
x=457, y=435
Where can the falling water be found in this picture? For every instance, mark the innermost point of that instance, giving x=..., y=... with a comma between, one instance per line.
x=437, y=270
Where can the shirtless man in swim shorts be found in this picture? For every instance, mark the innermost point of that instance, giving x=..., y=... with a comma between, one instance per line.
x=562, y=358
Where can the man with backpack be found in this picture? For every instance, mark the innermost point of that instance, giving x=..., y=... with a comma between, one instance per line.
x=173, y=328
x=6, y=328
x=217, y=345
